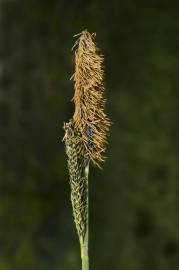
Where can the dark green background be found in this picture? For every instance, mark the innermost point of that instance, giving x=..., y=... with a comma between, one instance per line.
x=134, y=200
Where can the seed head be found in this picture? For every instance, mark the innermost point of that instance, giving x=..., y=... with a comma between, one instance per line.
x=89, y=118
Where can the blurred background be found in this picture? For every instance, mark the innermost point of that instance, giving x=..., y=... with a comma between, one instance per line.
x=134, y=200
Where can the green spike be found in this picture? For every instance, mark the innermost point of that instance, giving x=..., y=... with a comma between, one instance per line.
x=78, y=180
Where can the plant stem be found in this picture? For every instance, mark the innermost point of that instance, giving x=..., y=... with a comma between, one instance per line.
x=84, y=255
x=84, y=242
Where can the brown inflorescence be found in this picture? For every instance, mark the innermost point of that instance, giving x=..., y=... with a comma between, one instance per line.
x=89, y=118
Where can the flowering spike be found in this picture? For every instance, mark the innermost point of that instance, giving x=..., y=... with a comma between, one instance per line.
x=86, y=133
x=89, y=118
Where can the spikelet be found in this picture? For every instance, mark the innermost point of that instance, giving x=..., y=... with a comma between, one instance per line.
x=78, y=180
x=89, y=117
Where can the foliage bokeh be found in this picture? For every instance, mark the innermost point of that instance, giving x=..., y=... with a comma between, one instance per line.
x=134, y=205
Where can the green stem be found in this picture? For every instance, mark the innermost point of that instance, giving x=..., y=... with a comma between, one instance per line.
x=84, y=255
x=84, y=243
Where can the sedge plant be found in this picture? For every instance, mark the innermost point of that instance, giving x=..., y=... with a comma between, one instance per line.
x=86, y=133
